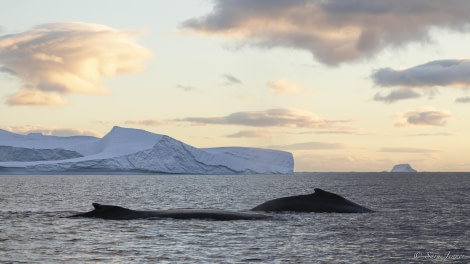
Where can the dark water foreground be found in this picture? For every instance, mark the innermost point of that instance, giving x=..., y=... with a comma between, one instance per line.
x=420, y=218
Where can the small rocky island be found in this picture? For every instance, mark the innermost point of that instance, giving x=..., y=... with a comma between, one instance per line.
x=403, y=168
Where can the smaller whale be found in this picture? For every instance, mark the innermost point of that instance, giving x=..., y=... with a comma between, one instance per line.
x=112, y=212
x=319, y=202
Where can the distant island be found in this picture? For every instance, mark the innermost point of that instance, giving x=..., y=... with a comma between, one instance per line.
x=403, y=168
x=128, y=150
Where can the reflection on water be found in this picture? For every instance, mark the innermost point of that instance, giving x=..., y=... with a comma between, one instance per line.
x=420, y=218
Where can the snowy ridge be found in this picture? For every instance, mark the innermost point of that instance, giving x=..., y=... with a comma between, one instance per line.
x=119, y=141
x=39, y=141
x=134, y=150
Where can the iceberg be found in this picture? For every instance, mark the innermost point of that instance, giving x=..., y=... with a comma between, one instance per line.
x=402, y=168
x=128, y=150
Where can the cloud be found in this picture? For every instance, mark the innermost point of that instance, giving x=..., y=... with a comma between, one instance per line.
x=444, y=134
x=231, y=80
x=422, y=117
x=36, y=97
x=250, y=134
x=283, y=87
x=397, y=95
x=148, y=122
x=61, y=132
x=334, y=31
x=434, y=73
x=311, y=146
x=427, y=77
x=281, y=117
x=53, y=60
x=186, y=88
x=464, y=100
x=407, y=150
x=7, y=70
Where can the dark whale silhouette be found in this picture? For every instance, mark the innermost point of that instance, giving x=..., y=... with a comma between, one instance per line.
x=319, y=202
x=112, y=212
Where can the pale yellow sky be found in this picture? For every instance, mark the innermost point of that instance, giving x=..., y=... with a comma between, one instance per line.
x=343, y=87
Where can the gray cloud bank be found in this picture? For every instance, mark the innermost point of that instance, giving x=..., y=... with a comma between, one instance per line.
x=407, y=150
x=310, y=146
x=270, y=118
x=334, y=31
x=439, y=73
x=397, y=95
x=231, y=80
x=281, y=117
x=464, y=100
x=434, y=73
x=423, y=117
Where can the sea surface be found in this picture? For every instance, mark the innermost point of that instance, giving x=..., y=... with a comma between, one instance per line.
x=419, y=218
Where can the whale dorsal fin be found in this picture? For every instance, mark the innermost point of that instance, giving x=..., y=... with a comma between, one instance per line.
x=321, y=193
x=97, y=205
x=104, y=207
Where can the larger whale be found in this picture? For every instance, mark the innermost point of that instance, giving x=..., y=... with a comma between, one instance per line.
x=112, y=212
x=319, y=202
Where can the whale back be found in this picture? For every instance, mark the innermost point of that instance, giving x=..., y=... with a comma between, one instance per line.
x=319, y=193
x=108, y=212
x=319, y=201
x=102, y=208
x=112, y=212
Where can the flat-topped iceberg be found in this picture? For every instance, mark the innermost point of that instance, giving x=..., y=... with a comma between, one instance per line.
x=403, y=168
x=132, y=150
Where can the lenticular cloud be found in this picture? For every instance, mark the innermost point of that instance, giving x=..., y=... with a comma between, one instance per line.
x=56, y=59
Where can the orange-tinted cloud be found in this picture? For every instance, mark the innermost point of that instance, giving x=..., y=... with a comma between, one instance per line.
x=148, y=122
x=36, y=97
x=53, y=60
x=284, y=87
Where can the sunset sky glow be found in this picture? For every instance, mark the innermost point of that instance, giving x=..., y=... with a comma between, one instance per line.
x=345, y=85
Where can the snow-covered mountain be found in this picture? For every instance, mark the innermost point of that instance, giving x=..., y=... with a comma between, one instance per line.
x=132, y=150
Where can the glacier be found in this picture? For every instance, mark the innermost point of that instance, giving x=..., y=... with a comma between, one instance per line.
x=129, y=150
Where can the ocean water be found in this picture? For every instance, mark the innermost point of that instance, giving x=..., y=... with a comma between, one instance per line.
x=419, y=218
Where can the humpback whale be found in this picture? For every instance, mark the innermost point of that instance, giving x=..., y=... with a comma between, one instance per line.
x=319, y=202
x=112, y=212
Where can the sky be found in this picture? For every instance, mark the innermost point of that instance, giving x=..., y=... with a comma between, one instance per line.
x=345, y=85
